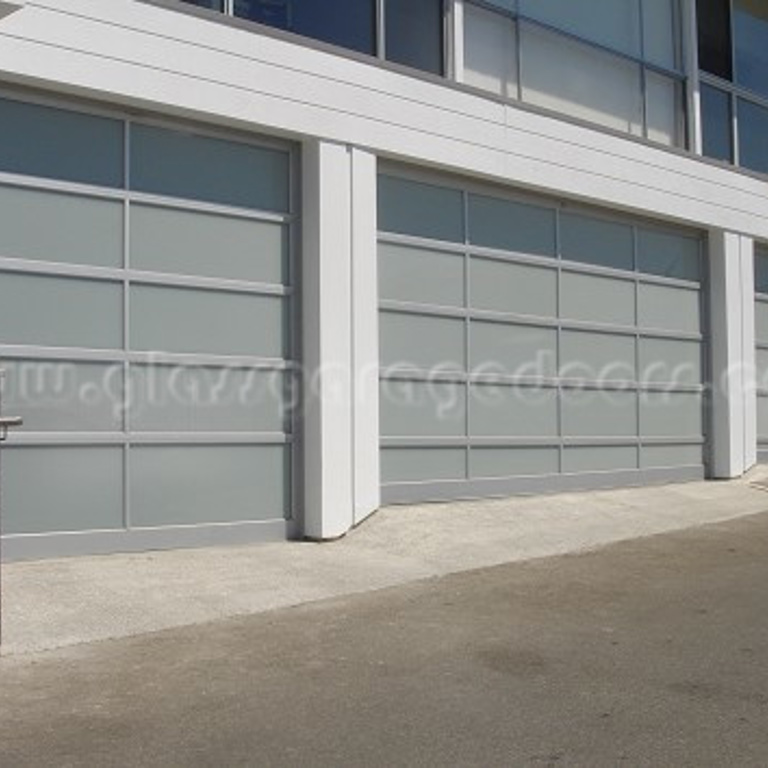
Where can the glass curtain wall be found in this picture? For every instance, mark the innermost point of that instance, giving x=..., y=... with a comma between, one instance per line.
x=733, y=58
x=612, y=62
x=408, y=32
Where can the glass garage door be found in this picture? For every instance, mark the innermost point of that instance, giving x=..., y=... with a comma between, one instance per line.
x=761, y=353
x=527, y=346
x=145, y=304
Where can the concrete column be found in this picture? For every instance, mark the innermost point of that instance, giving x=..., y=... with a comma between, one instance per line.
x=340, y=335
x=732, y=318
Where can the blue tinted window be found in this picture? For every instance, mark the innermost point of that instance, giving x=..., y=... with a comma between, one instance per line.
x=716, y=123
x=214, y=5
x=414, y=33
x=753, y=136
x=761, y=270
x=347, y=23
x=750, y=27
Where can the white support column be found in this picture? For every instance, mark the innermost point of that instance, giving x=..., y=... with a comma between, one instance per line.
x=456, y=48
x=340, y=336
x=732, y=319
x=691, y=65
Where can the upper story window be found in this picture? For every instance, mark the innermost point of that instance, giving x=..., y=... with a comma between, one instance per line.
x=733, y=58
x=612, y=62
x=408, y=32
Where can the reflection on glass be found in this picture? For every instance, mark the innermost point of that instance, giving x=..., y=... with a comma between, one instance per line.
x=214, y=5
x=750, y=28
x=414, y=33
x=753, y=136
x=761, y=270
x=716, y=123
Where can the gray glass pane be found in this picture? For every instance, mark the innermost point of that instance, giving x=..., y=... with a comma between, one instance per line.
x=595, y=241
x=597, y=299
x=60, y=312
x=187, y=485
x=216, y=322
x=500, y=411
x=421, y=342
x=761, y=321
x=716, y=123
x=207, y=399
x=592, y=413
x=657, y=456
x=422, y=409
x=664, y=109
x=670, y=361
x=761, y=368
x=189, y=243
x=660, y=36
x=407, y=465
x=49, y=226
x=495, y=223
x=504, y=287
x=63, y=396
x=62, y=489
x=59, y=144
x=519, y=350
x=490, y=51
x=597, y=356
x=180, y=164
x=753, y=136
x=615, y=23
x=419, y=275
x=670, y=414
x=599, y=459
x=762, y=417
x=669, y=309
x=413, y=208
x=750, y=33
x=761, y=269
x=668, y=255
x=512, y=462
x=414, y=32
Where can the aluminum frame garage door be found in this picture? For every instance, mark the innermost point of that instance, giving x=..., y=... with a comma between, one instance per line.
x=761, y=351
x=146, y=284
x=532, y=346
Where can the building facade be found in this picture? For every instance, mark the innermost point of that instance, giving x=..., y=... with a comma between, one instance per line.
x=266, y=265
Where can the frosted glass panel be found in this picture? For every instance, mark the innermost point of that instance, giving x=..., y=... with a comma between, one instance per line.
x=664, y=109
x=597, y=356
x=419, y=275
x=60, y=312
x=422, y=409
x=511, y=462
x=669, y=309
x=657, y=456
x=761, y=321
x=216, y=322
x=596, y=241
x=187, y=243
x=499, y=411
x=48, y=226
x=490, y=57
x=592, y=413
x=597, y=299
x=184, y=485
x=519, y=350
x=668, y=255
x=670, y=414
x=599, y=459
x=63, y=396
x=762, y=417
x=611, y=22
x=179, y=164
x=181, y=399
x=504, y=287
x=670, y=361
x=761, y=368
x=403, y=465
x=659, y=38
x=62, y=489
x=421, y=342
x=560, y=74
x=60, y=144
x=413, y=208
x=511, y=226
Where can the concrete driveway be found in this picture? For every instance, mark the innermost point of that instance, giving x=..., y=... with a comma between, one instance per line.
x=652, y=652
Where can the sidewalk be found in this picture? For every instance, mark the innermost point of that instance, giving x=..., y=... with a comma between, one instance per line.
x=57, y=603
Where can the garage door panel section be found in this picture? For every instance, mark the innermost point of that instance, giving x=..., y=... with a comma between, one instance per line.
x=531, y=345
x=145, y=330
x=761, y=351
